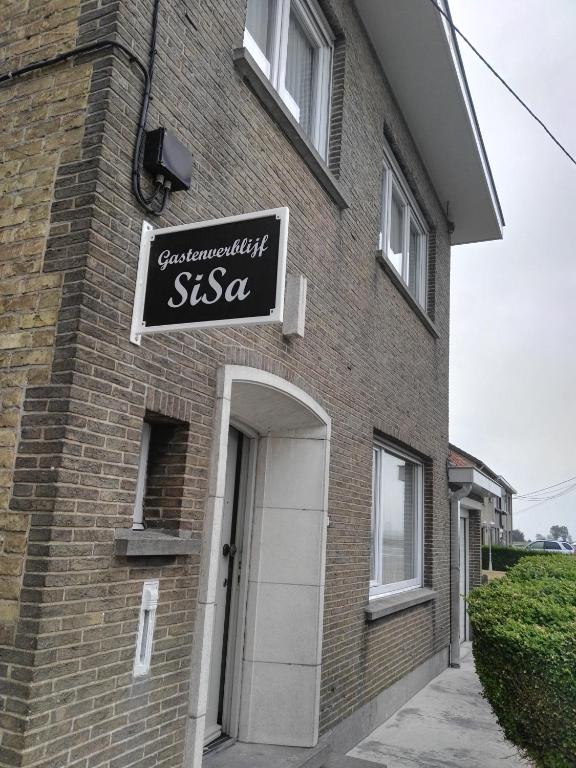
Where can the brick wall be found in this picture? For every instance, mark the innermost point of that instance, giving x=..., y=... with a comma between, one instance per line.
x=42, y=127
x=366, y=358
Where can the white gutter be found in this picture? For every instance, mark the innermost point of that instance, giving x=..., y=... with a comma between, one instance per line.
x=481, y=483
x=455, y=497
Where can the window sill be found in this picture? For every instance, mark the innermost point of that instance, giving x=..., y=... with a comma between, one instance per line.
x=153, y=542
x=389, y=604
x=261, y=86
x=401, y=286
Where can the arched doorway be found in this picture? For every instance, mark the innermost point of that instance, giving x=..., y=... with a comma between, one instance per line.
x=258, y=641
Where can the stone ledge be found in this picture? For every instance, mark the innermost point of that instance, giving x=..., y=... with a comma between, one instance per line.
x=244, y=755
x=274, y=105
x=402, y=287
x=389, y=604
x=153, y=542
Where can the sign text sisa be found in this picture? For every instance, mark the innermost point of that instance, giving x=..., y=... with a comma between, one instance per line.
x=223, y=272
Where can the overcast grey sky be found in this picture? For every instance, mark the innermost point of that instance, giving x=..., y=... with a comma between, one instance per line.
x=513, y=323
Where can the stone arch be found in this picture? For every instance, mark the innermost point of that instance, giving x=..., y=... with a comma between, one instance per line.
x=279, y=673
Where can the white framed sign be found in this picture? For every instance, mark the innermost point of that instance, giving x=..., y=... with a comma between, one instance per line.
x=222, y=272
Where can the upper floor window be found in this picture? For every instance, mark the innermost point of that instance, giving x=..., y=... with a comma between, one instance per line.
x=403, y=238
x=291, y=42
x=397, y=521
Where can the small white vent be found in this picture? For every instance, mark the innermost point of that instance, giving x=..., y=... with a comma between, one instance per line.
x=146, y=627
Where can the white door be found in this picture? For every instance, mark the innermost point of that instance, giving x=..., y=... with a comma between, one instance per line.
x=464, y=580
x=222, y=657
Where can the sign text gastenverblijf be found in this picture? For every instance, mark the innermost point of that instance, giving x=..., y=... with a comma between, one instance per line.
x=221, y=272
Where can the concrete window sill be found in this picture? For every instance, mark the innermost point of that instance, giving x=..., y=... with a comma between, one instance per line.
x=153, y=542
x=274, y=105
x=401, y=286
x=389, y=604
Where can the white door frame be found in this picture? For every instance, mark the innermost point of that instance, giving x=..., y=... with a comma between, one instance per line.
x=225, y=595
x=239, y=586
x=305, y=420
x=237, y=619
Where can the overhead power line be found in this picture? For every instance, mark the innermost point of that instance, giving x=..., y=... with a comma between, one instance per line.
x=556, y=495
x=546, y=488
x=566, y=492
x=501, y=79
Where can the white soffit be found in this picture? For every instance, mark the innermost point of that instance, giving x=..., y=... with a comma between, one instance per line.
x=481, y=484
x=269, y=410
x=422, y=63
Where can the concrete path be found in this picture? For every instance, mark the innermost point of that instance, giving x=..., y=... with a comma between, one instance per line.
x=446, y=725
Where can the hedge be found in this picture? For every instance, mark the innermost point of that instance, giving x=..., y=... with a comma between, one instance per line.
x=525, y=652
x=505, y=557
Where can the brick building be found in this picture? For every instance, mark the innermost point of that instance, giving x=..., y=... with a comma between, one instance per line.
x=496, y=518
x=291, y=585
x=482, y=504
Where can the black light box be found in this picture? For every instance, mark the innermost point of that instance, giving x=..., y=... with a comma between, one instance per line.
x=164, y=154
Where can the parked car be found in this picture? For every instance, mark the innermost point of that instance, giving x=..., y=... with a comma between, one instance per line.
x=568, y=546
x=548, y=545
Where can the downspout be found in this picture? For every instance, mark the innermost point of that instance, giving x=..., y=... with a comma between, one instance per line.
x=455, y=496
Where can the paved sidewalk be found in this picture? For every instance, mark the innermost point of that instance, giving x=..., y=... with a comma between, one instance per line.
x=446, y=725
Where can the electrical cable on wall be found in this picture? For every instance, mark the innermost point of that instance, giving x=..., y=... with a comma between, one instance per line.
x=155, y=202
x=159, y=185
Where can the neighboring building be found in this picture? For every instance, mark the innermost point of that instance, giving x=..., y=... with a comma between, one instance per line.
x=496, y=513
x=269, y=599
x=484, y=501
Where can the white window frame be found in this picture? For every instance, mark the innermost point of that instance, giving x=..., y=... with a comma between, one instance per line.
x=394, y=180
x=138, y=523
x=377, y=589
x=322, y=38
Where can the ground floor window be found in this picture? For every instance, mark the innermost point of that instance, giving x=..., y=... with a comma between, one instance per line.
x=397, y=537
x=159, y=482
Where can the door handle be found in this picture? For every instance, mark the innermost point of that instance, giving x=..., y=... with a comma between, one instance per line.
x=229, y=550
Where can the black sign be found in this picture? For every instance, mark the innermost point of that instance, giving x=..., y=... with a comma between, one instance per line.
x=224, y=272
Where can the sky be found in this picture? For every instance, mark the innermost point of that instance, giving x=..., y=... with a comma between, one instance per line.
x=513, y=304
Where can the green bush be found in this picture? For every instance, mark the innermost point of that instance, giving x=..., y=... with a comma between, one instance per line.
x=525, y=651
x=505, y=557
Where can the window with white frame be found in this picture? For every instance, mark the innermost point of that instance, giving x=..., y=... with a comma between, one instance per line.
x=159, y=482
x=292, y=43
x=397, y=526
x=403, y=237
x=138, y=522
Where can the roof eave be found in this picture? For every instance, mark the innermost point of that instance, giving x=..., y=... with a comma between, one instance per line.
x=435, y=99
x=479, y=482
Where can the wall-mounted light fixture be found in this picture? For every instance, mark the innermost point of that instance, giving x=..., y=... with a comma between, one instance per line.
x=146, y=625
